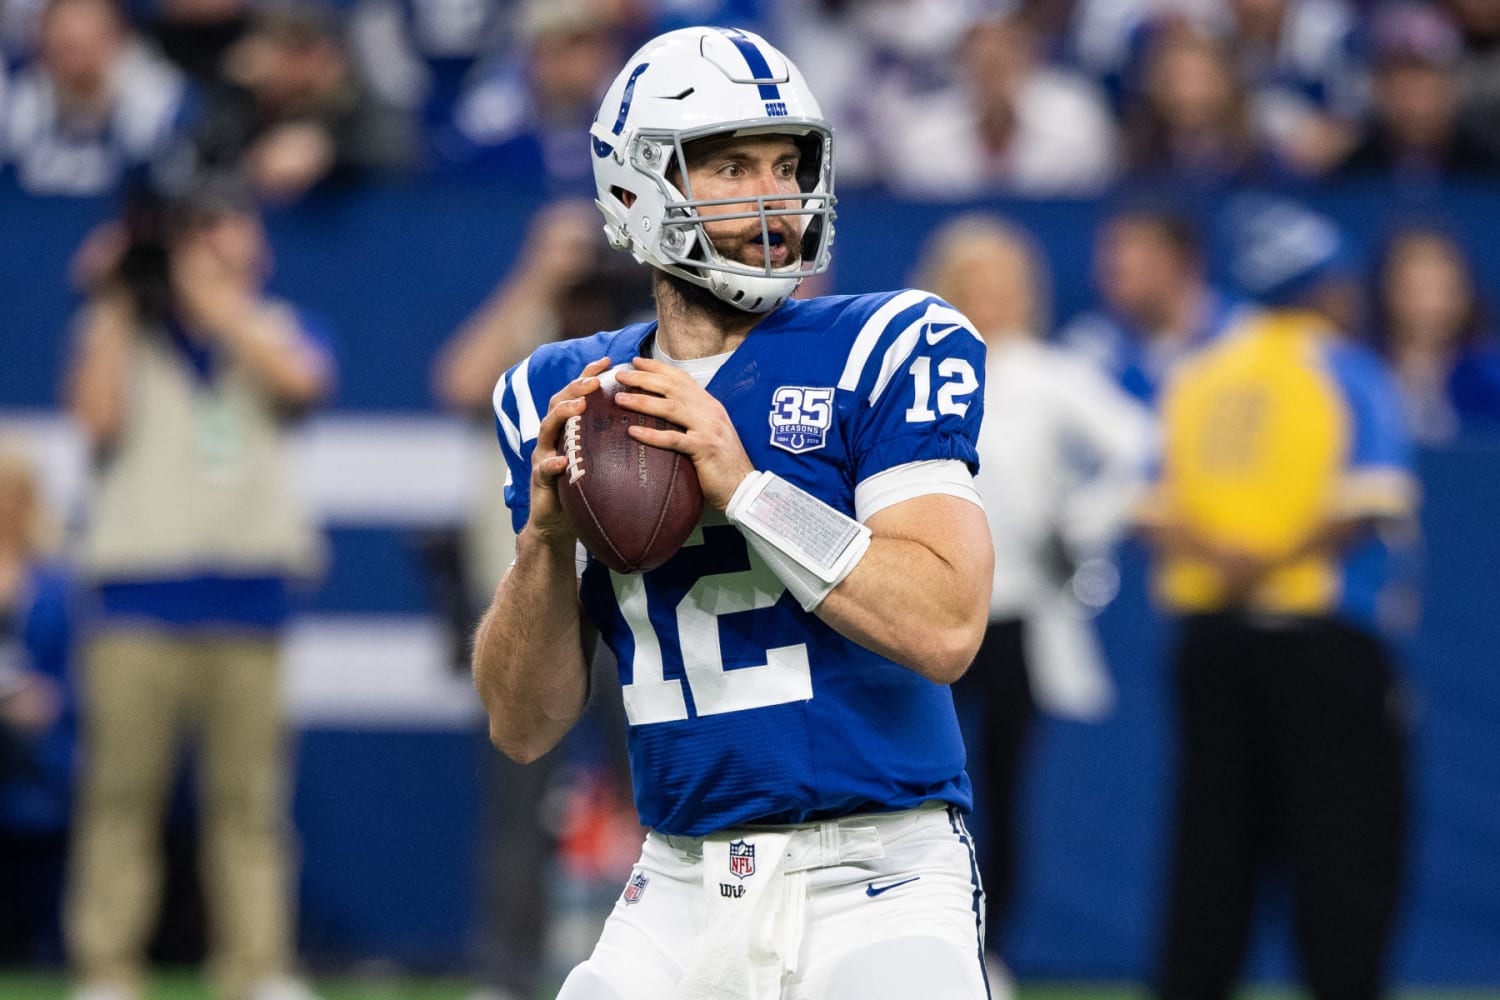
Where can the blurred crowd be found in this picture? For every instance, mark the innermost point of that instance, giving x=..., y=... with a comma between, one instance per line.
x=945, y=99
x=198, y=114
x=935, y=100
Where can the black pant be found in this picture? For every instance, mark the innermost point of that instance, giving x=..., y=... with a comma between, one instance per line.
x=1293, y=746
x=31, y=882
x=998, y=686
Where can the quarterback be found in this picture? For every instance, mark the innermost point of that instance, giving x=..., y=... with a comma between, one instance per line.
x=793, y=744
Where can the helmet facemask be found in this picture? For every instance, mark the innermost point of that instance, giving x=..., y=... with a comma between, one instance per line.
x=683, y=246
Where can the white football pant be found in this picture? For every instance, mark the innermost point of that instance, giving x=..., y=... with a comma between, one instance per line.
x=871, y=907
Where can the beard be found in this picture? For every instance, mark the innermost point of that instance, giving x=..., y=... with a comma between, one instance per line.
x=731, y=247
x=737, y=247
x=695, y=297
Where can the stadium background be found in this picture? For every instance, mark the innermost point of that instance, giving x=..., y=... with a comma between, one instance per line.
x=386, y=784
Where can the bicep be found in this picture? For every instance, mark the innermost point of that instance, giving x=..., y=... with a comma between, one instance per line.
x=952, y=528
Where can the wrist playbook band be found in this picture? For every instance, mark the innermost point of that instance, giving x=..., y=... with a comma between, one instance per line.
x=809, y=545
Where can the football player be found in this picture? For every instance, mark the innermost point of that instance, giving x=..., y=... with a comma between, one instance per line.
x=793, y=742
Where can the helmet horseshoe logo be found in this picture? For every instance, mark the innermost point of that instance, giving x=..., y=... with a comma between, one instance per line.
x=603, y=149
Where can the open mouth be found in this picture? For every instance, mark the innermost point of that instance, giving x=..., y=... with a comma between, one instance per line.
x=772, y=246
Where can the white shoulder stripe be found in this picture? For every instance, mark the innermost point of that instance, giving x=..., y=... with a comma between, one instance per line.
x=531, y=423
x=507, y=427
x=869, y=336
x=937, y=322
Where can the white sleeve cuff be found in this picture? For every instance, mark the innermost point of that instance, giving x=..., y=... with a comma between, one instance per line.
x=949, y=476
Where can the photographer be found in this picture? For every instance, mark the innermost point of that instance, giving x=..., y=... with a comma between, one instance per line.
x=183, y=379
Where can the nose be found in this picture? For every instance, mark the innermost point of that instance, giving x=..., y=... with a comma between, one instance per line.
x=775, y=187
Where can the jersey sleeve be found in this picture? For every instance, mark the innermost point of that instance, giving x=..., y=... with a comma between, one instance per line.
x=517, y=420
x=916, y=376
x=1380, y=479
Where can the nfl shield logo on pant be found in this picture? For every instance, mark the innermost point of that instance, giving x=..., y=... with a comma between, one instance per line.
x=741, y=859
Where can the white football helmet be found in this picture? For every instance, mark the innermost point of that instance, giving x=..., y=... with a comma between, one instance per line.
x=686, y=85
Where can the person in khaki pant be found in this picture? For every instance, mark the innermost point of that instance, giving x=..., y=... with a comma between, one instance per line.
x=182, y=380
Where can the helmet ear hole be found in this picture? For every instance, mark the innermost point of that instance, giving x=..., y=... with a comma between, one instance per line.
x=624, y=197
x=810, y=162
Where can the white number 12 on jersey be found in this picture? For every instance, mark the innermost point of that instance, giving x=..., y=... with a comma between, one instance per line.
x=650, y=697
x=958, y=381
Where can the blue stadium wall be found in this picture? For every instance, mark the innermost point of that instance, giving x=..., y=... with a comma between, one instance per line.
x=387, y=808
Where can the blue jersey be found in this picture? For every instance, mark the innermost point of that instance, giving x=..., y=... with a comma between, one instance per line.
x=744, y=708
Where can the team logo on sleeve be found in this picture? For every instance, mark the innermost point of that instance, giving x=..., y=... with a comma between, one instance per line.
x=800, y=417
x=741, y=859
x=636, y=887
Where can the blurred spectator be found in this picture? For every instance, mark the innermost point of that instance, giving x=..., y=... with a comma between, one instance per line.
x=1299, y=61
x=1105, y=38
x=37, y=723
x=297, y=115
x=864, y=59
x=1432, y=328
x=416, y=54
x=183, y=379
x=1063, y=456
x=197, y=35
x=1286, y=495
x=1478, y=22
x=1192, y=120
x=92, y=106
x=669, y=15
x=528, y=117
x=1157, y=303
x=567, y=283
x=1280, y=250
x=19, y=24
x=1010, y=125
x=1415, y=134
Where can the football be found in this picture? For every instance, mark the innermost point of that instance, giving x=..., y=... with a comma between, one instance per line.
x=634, y=504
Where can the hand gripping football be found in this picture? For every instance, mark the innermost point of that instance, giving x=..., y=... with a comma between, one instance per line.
x=633, y=504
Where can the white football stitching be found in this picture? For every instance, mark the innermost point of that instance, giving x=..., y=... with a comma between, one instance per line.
x=573, y=448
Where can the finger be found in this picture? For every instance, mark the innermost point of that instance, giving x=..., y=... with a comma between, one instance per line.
x=586, y=382
x=549, y=468
x=668, y=438
x=551, y=425
x=649, y=364
x=666, y=408
x=666, y=382
x=642, y=369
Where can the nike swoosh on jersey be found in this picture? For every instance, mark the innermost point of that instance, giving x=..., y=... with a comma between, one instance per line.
x=936, y=333
x=872, y=889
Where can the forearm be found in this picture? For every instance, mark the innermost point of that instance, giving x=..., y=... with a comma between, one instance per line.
x=513, y=323
x=906, y=602
x=96, y=380
x=529, y=663
x=267, y=341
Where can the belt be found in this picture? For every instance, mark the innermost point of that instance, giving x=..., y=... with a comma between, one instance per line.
x=827, y=843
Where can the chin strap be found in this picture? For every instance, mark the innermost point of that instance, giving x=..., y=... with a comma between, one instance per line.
x=809, y=545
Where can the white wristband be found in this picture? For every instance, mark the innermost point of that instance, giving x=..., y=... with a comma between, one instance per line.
x=809, y=545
